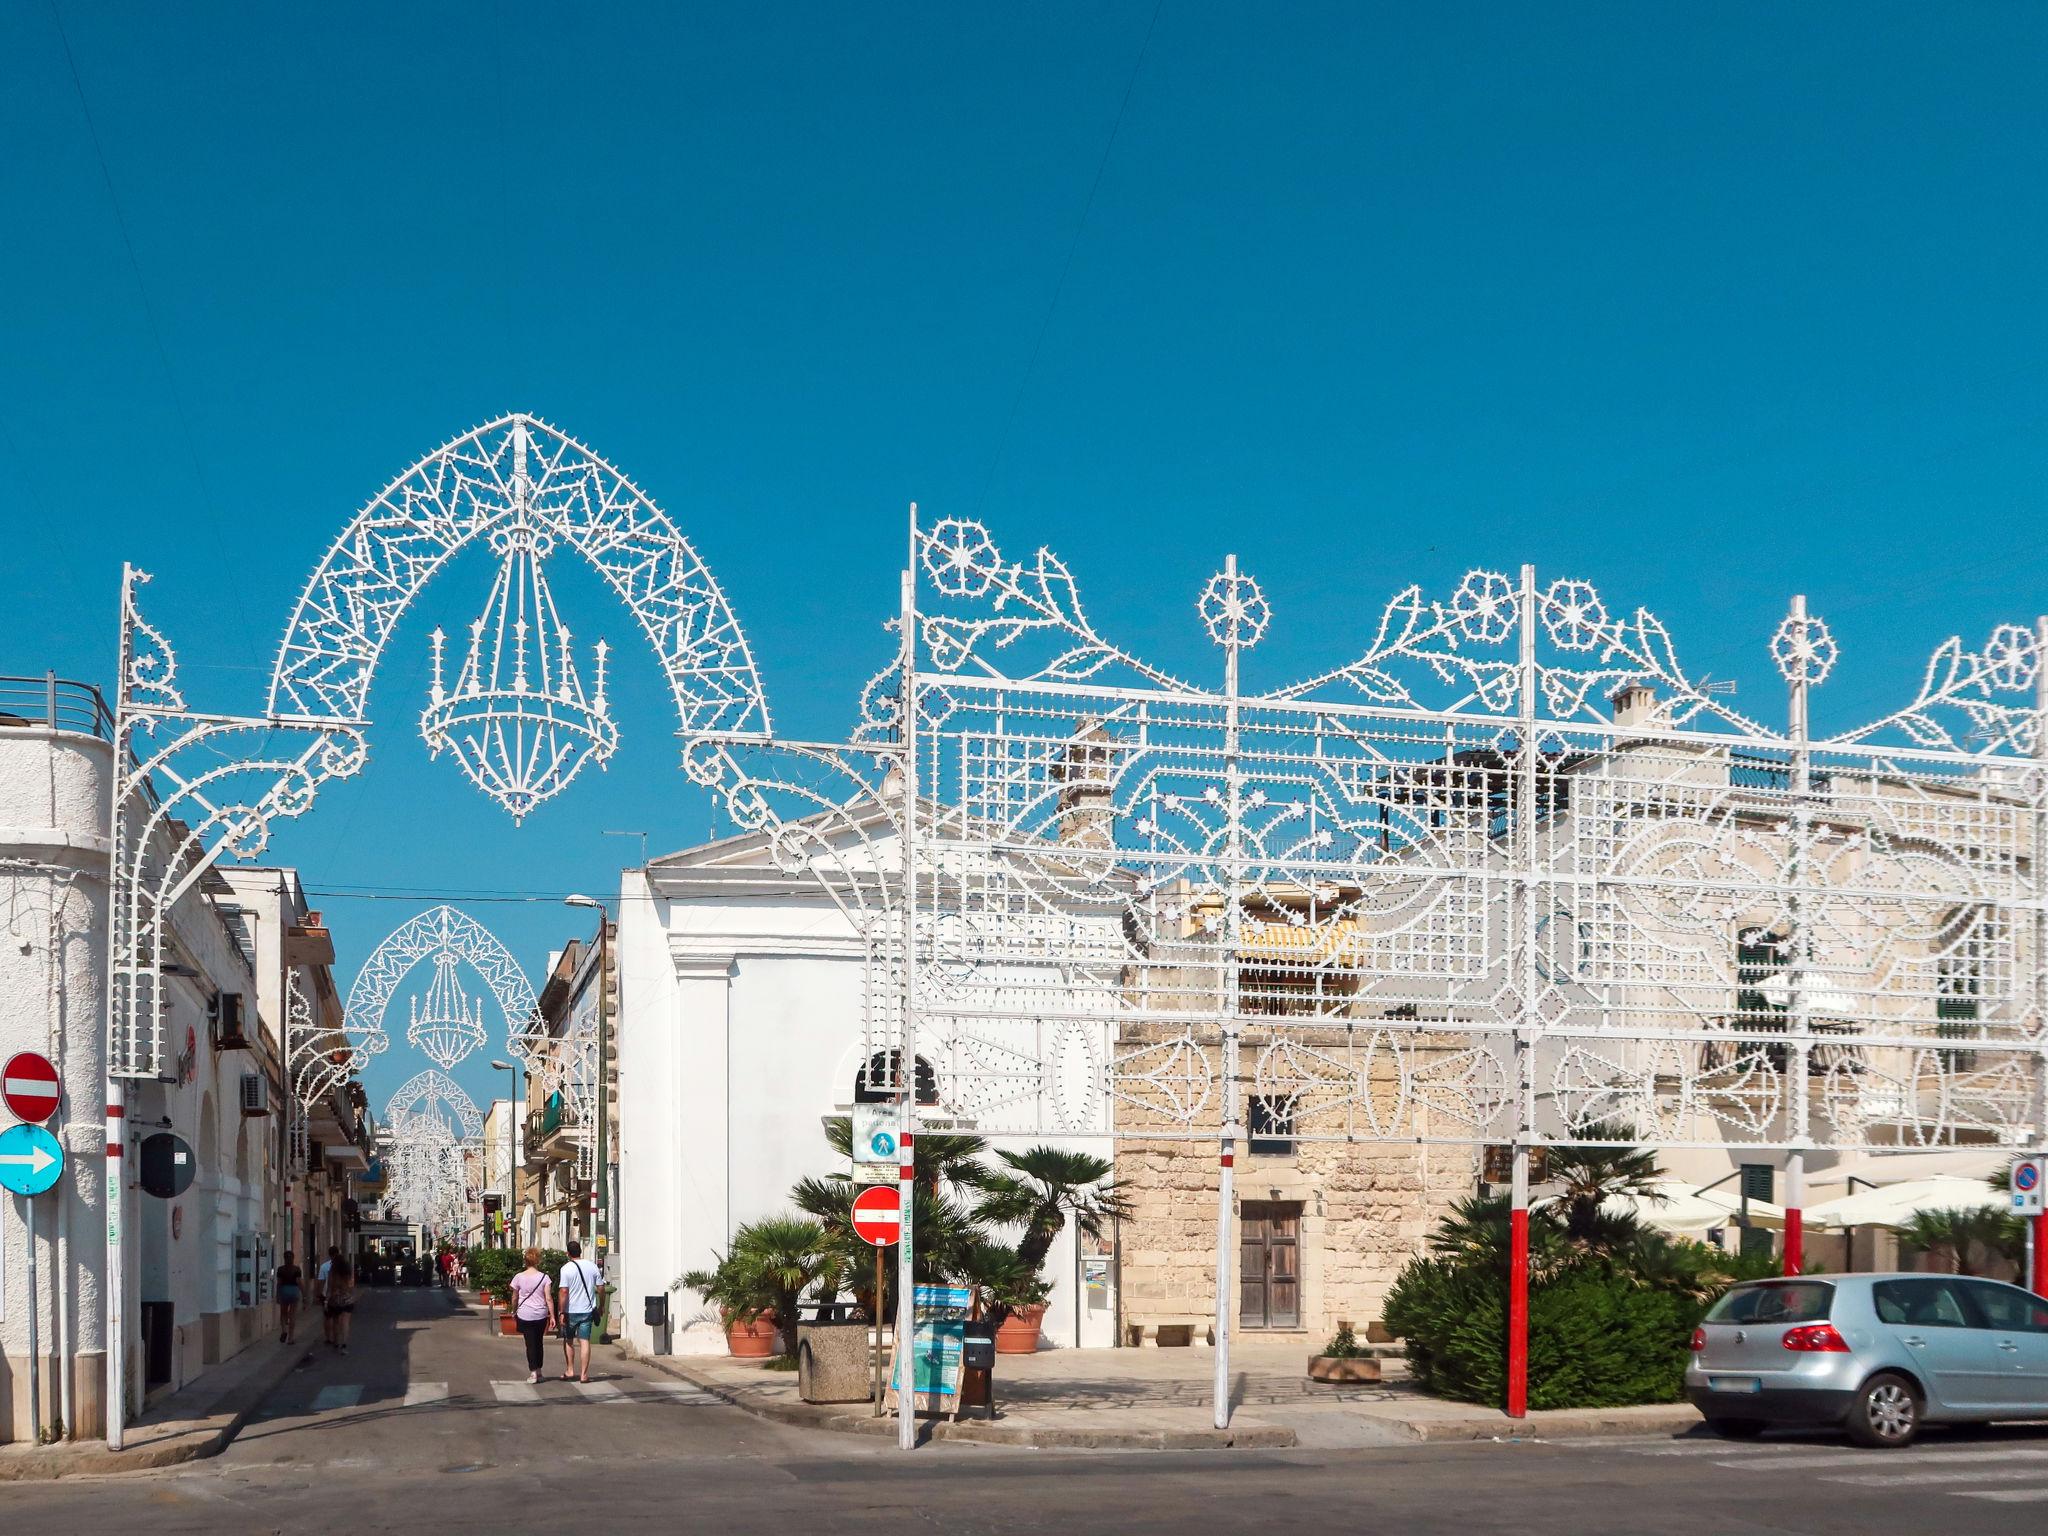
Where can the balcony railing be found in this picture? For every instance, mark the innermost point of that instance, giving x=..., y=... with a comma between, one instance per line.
x=55, y=701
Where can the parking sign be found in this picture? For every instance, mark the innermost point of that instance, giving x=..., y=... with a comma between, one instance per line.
x=2027, y=1185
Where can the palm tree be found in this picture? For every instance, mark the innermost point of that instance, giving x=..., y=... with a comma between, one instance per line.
x=1965, y=1232
x=1038, y=1188
x=785, y=1256
x=1594, y=1175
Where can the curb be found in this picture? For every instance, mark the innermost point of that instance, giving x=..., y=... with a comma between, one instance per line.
x=974, y=1431
x=1554, y=1424
x=207, y=1437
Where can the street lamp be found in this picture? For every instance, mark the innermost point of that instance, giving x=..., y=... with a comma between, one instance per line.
x=512, y=1172
x=601, y=1223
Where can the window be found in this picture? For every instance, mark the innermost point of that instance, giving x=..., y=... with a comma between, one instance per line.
x=1959, y=986
x=1774, y=1301
x=875, y=1083
x=1272, y=1126
x=2007, y=1307
x=1919, y=1303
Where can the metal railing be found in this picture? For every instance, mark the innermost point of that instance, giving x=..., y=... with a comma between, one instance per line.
x=55, y=701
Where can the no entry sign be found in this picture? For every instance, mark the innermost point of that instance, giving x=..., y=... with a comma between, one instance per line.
x=28, y=1083
x=878, y=1214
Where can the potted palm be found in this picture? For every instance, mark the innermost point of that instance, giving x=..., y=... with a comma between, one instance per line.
x=743, y=1309
x=1038, y=1189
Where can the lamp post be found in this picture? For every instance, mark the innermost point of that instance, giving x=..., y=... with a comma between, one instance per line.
x=512, y=1172
x=601, y=1213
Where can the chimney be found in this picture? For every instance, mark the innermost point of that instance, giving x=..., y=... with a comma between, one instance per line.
x=1635, y=704
x=1087, y=814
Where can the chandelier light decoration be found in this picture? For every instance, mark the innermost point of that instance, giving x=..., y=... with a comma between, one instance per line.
x=450, y=1026
x=518, y=720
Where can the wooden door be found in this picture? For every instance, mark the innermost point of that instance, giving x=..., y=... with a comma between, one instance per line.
x=1269, y=1251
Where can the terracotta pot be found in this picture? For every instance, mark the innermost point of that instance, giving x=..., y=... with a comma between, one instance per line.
x=508, y=1323
x=751, y=1340
x=1018, y=1334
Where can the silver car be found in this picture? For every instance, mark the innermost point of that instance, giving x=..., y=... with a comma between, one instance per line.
x=1876, y=1355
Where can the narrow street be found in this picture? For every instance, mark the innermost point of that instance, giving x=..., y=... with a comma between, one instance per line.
x=427, y=1425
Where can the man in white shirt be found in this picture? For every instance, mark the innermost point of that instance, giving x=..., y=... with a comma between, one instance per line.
x=581, y=1283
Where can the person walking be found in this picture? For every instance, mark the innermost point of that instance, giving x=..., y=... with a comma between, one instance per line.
x=339, y=1302
x=581, y=1282
x=289, y=1291
x=533, y=1308
x=324, y=1276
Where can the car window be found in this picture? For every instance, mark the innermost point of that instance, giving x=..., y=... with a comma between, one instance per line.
x=1774, y=1302
x=2008, y=1307
x=1930, y=1303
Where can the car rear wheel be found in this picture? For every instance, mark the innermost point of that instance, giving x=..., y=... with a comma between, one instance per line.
x=1736, y=1429
x=1886, y=1414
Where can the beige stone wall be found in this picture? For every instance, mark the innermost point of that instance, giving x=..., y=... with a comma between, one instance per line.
x=1366, y=1210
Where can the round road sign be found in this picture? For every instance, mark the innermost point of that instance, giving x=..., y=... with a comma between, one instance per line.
x=2025, y=1176
x=30, y=1159
x=28, y=1084
x=878, y=1214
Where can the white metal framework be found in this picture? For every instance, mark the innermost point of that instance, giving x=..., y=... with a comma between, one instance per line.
x=433, y=1142
x=1510, y=874
x=451, y=1026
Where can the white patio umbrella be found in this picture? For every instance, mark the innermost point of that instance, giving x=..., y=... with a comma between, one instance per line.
x=1895, y=1205
x=1688, y=1211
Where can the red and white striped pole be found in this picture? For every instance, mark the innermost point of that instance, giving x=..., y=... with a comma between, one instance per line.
x=116, y=1279
x=1795, y=1212
x=1518, y=1286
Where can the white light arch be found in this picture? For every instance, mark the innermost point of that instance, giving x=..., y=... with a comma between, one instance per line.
x=437, y=931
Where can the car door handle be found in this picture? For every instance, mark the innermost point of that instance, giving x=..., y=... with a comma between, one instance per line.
x=2008, y=1346
x=1914, y=1341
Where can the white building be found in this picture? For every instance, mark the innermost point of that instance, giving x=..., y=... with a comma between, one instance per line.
x=196, y=1268
x=740, y=1032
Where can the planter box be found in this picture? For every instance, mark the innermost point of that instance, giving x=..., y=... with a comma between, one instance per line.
x=1336, y=1368
x=508, y=1323
x=1019, y=1333
x=834, y=1363
x=751, y=1340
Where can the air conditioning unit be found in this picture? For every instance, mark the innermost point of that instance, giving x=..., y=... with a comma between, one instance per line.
x=227, y=1015
x=255, y=1094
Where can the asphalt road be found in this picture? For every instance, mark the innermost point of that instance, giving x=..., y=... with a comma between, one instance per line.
x=409, y=1433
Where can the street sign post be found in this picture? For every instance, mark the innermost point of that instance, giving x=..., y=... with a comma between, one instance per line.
x=878, y=1219
x=31, y=1159
x=2027, y=1187
x=30, y=1087
x=877, y=1134
x=878, y=1214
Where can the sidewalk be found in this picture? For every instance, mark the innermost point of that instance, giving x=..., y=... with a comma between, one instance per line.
x=198, y=1420
x=1160, y=1399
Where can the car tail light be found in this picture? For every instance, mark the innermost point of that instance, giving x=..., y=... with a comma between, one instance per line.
x=1699, y=1340
x=1816, y=1338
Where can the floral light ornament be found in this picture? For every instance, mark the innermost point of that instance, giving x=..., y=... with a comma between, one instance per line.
x=2012, y=658
x=1574, y=615
x=961, y=559
x=1804, y=650
x=1234, y=610
x=1484, y=606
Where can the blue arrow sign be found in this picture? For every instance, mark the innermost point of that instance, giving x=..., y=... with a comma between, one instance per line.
x=30, y=1159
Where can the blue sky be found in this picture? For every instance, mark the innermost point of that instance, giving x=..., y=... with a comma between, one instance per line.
x=1705, y=306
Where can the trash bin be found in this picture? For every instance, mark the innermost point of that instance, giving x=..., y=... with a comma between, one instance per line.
x=978, y=1368
x=833, y=1361
x=657, y=1310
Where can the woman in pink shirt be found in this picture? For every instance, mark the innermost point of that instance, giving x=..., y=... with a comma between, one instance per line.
x=533, y=1305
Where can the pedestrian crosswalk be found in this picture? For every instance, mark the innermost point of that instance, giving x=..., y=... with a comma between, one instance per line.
x=613, y=1391
x=1971, y=1470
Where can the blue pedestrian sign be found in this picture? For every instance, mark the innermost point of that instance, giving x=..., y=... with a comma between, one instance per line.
x=31, y=1159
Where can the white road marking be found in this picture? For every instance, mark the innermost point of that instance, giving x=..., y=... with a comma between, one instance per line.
x=1893, y=1459
x=516, y=1391
x=682, y=1392
x=2005, y=1495
x=1924, y=1479
x=342, y=1394
x=600, y=1391
x=419, y=1393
